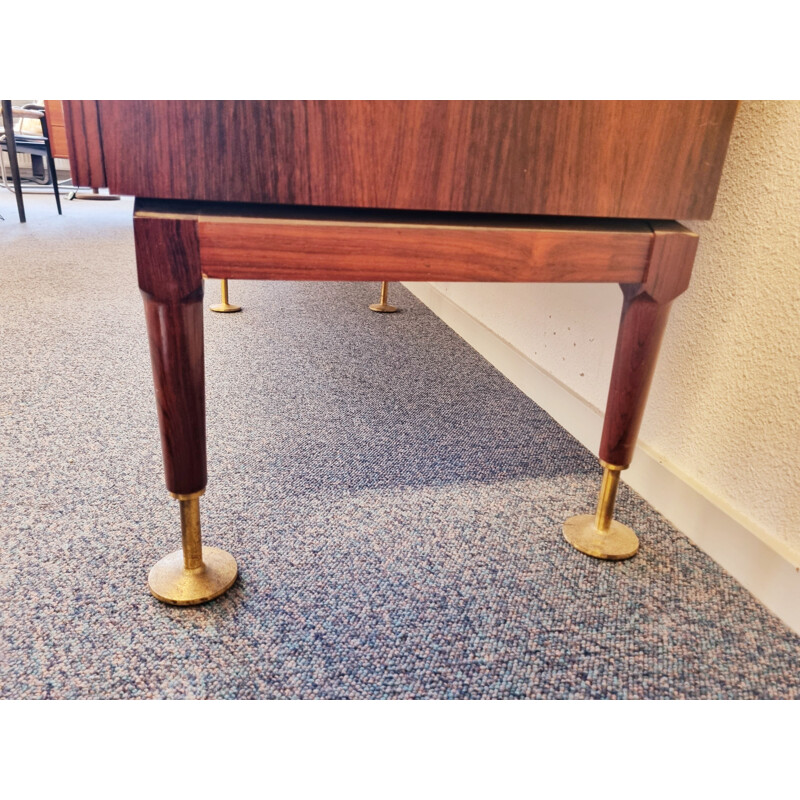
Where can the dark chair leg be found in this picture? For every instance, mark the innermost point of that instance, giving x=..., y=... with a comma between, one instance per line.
x=8, y=124
x=51, y=163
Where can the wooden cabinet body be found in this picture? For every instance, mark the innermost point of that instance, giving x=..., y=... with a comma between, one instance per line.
x=616, y=159
x=412, y=190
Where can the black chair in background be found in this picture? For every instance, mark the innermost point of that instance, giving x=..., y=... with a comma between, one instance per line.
x=15, y=143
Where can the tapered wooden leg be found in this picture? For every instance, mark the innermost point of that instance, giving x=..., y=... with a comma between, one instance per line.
x=175, y=333
x=168, y=263
x=645, y=310
x=641, y=329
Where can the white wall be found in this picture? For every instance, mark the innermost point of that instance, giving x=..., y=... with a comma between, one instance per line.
x=724, y=409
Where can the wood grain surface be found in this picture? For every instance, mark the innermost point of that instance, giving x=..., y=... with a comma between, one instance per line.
x=626, y=159
x=84, y=143
x=57, y=128
x=645, y=310
x=277, y=249
x=170, y=279
x=671, y=261
x=641, y=330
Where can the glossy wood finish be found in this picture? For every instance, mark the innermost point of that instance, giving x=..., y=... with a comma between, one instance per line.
x=55, y=112
x=84, y=142
x=645, y=310
x=168, y=260
x=671, y=261
x=622, y=159
x=641, y=329
x=312, y=251
x=277, y=244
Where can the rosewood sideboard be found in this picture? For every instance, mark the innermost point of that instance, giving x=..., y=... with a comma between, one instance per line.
x=515, y=191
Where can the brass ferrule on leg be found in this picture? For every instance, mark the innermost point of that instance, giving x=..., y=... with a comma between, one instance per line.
x=190, y=533
x=194, y=574
x=607, y=497
x=384, y=292
x=224, y=289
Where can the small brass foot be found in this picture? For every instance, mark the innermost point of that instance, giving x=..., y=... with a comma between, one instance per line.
x=383, y=305
x=194, y=574
x=616, y=544
x=600, y=535
x=170, y=581
x=224, y=307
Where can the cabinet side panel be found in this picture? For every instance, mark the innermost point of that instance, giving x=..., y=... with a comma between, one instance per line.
x=84, y=143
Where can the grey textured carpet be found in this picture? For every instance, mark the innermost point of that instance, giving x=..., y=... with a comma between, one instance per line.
x=395, y=506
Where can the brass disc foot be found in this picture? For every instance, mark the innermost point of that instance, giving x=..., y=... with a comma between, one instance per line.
x=617, y=543
x=224, y=307
x=172, y=583
x=385, y=307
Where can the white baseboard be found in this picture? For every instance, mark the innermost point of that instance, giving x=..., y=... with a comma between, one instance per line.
x=761, y=563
